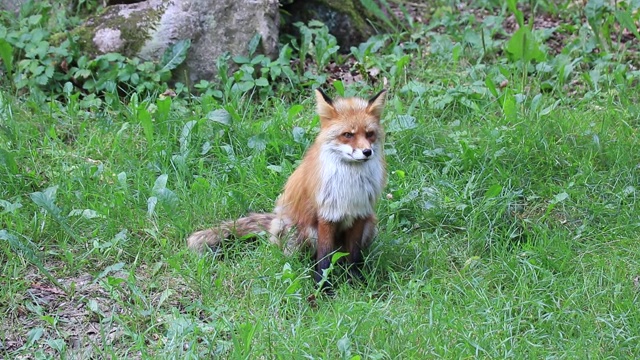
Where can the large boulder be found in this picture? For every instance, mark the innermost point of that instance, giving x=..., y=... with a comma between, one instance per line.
x=11, y=5
x=348, y=20
x=145, y=29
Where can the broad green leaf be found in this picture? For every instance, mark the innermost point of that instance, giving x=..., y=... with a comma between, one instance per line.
x=509, y=106
x=244, y=86
x=122, y=179
x=523, y=46
x=175, y=54
x=339, y=86
x=262, y=82
x=402, y=123
x=558, y=198
x=86, y=213
x=6, y=54
x=185, y=136
x=456, y=51
x=257, y=142
x=94, y=307
x=34, y=19
x=535, y=103
x=34, y=335
x=9, y=207
x=57, y=344
x=337, y=256
x=344, y=346
x=298, y=134
x=151, y=205
x=163, y=108
x=253, y=43
x=415, y=87
x=147, y=124
x=294, y=110
x=168, y=199
x=205, y=148
x=221, y=116
x=493, y=191
x=46, y=199
x=160, y=184
x=164, y=296
x=241, y=59
x=625, y=19
x=592, y=9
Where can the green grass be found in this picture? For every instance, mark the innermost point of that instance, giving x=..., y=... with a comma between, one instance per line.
x=510, y=230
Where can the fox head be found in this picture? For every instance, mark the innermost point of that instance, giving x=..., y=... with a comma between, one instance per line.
x=350, y=127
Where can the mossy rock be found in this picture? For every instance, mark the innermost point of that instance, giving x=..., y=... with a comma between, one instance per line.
x=146, y=29
x=347, y=20
x=122, y=29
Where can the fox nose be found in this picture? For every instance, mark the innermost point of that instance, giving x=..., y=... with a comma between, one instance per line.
x=367, y=152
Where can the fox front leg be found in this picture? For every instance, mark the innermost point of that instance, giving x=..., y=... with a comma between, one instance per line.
x=354, y=243
x=326, y=245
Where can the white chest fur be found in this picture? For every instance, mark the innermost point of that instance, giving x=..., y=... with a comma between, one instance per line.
x=348, y=190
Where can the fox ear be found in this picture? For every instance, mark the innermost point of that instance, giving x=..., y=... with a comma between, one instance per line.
x=376, y=104
x=325, y=105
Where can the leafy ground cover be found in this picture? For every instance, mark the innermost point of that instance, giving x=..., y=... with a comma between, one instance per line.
x=509, y=229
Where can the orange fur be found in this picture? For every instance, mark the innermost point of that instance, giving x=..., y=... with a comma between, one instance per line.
x=328, y=202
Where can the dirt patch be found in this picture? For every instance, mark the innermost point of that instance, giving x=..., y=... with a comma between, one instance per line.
x=73, y=317
x=84, y=321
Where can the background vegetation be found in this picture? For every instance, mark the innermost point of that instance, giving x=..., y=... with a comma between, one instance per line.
x=509, y=230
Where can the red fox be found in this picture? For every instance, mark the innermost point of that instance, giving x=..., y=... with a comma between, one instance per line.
x=328, y=202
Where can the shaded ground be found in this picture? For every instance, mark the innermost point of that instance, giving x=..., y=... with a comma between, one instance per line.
x=83, y=317
x=77, y=316
x=561, y=30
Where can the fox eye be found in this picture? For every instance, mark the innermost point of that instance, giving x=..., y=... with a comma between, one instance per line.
x=347, y=135
x=370, y=134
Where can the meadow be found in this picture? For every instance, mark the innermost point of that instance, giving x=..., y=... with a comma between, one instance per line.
x=509, y=226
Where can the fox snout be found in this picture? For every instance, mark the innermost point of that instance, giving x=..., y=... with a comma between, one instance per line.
x=362, y=154
x=356, y=146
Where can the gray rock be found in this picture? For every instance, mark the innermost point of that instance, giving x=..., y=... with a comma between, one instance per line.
x=347, y=20
x=147, y=28
x=12, y=5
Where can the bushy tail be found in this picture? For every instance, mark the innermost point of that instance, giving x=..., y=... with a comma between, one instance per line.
x=251, y=224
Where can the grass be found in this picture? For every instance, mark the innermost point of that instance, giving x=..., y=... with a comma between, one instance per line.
x=510, y=228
